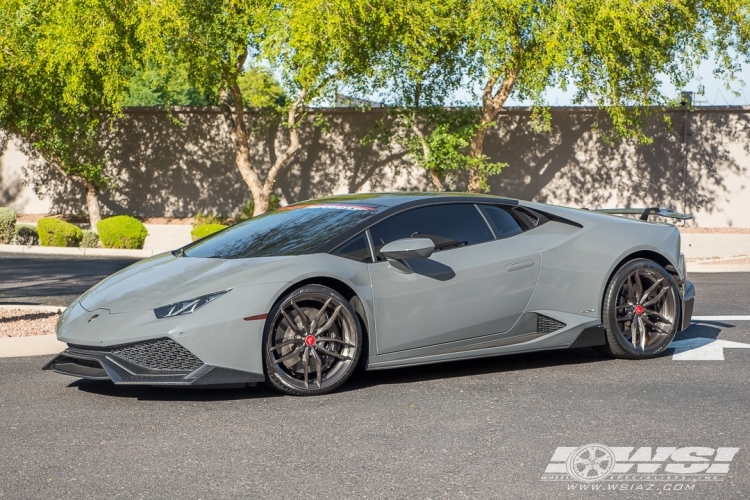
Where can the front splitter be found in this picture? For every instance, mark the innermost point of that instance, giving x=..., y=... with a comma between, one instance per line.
x=97, y=365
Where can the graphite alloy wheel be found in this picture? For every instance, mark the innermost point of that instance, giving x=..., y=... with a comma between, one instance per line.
x=641, y=311
x=313, y=341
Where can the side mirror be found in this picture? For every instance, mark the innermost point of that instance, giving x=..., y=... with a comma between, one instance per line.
x=408, y=248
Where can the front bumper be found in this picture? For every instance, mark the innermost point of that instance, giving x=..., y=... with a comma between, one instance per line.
x=688, y=299
x=154, y=362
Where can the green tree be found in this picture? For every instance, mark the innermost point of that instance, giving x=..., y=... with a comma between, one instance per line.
x=59, y=73
x=155, y=86
x=423, y=64
x=214, y=40
x=260, y=89
x=316, y=44
x=613, y=52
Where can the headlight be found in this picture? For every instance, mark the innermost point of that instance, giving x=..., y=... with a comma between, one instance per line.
x=186, y=306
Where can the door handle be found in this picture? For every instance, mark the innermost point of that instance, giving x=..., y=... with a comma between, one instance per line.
x=521, y=264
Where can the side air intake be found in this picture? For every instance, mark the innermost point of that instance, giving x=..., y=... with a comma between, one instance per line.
x=545, y=324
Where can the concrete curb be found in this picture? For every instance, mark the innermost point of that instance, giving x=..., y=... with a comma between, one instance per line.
x=37, y=345
x=31, y=307
x=717, y=268
x=79, y=252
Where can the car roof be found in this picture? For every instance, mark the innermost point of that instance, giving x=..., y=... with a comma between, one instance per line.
x=394, y=199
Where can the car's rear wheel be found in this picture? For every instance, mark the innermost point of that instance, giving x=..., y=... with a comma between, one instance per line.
x=313, y=341
x=641, y=311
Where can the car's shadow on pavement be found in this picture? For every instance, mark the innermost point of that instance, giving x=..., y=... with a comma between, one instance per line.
x=360, y=379
x=187, y=394
x=473, y=367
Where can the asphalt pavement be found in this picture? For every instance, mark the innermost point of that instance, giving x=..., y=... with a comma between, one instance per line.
x=473, y=429
x=54, y=280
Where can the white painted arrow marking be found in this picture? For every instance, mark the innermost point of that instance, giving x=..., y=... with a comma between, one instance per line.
x=721, y=318
x=703, y=349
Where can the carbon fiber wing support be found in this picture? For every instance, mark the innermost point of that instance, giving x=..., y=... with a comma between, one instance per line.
x=645, y=213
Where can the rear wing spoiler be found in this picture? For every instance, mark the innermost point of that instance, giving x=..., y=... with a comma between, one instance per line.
x=645, y=213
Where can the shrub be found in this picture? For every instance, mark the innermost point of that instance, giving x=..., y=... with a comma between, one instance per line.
x=202, y=219
x=90, y=240
x=26, y=235
x=56, y=233
x=122, y=231
x=246, y=211
x=7, y=225
x=206, y=229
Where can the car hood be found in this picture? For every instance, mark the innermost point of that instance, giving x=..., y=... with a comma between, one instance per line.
x=165, y=279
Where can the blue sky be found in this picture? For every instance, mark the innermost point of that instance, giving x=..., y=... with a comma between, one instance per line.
x=715, y=91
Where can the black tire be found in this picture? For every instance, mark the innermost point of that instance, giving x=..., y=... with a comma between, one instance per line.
x=305, y=367
x=650, y=331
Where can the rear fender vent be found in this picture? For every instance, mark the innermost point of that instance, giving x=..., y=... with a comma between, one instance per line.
x=546, y=324
x=531, y=218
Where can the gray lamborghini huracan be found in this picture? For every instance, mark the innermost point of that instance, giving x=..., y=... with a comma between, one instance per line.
x=301, y=296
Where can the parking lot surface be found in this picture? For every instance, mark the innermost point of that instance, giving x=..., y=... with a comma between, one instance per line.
x=476, y=429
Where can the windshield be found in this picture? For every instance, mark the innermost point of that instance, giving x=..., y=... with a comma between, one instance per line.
x=292, y=230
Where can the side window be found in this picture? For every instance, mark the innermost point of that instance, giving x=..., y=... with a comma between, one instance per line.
x=355, y=249
x=502, y=222
x=448, y=226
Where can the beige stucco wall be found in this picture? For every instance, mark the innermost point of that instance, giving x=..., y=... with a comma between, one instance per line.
x=165, y=169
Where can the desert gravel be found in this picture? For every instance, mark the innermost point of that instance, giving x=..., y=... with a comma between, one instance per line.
x=25, y=323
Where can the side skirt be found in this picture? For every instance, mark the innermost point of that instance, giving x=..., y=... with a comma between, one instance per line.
x=588, y=334
x=590, y=337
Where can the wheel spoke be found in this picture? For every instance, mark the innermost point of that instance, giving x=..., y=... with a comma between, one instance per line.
x=330, y=321
x=627, y=317
x=634, y=333
x=638, y=286
x=302, y=316
x=288, y=356
x=330, y=353
x=338, y=341
x=305, y=364
x=653, y=325
x=316, y=319
x=659, y=316
x=631, y=292
x=318, y=368
x=656, y=297
x=286, y=343
x=643, y=332
x=292, y=324
x=651, y=288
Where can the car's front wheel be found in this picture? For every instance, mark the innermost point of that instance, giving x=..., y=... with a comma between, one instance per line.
x=313, y=341
x=641, y=311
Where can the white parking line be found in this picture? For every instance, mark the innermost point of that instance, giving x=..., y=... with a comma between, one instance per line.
x=721, y=318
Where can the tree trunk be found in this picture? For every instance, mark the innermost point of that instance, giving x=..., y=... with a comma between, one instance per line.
x=242, y=149
x=262, y=205
x=492, y=103
x=92, y=203
x=436, y=180
x=261, y=191
x=434, y=176
x=92, y=192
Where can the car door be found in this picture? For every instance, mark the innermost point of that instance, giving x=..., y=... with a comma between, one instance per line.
x=476, y=283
